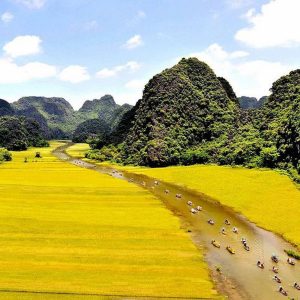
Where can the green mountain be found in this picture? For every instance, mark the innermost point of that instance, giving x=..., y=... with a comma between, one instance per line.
x=18, y=133
x=58, y=119
x=280, y=120
x=251, y=102
x=182, y=107
x=5, y=108
x=105, y=109
x=90, y=129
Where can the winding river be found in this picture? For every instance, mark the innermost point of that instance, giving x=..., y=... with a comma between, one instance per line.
x=238, y=275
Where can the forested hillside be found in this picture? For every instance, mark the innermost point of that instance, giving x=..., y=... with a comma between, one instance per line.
x=18, y=133
x=187, y=115
x=181, y=107
x=57, y=118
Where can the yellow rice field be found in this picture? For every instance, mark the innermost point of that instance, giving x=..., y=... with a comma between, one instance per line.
x=269, y=199
x=65, y=229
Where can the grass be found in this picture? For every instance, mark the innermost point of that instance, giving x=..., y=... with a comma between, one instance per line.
x=293, y=254
x=266, y=197
x=66, y=229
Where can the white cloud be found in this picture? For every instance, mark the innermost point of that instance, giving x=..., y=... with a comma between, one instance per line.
x=7, y=17
x=74, y=74
x=33, y=4
x=134, y=42
x=131, y=66
x=23, y=46
x=13, y=73
x=277, y=25
x=248, y=77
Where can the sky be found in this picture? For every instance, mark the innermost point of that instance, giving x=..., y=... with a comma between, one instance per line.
x=84, y=49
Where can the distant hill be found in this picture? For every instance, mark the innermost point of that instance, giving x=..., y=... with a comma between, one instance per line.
x=5, y=108
x=251, y=102
x=58, y=119
x=89, y=129
x=105, y=109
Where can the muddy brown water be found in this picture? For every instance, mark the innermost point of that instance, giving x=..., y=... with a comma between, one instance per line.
x=240, y=278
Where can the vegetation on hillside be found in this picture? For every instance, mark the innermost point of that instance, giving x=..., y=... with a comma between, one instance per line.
x=181, y=107
x=18, y=133
x=187, y=115
x=5, y=108
x=91, y=129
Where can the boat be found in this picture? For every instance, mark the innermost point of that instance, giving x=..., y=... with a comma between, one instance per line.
x=235, y=230
x=230, y=250
x=246, y=247
x=297, y=286
x=274, y=258
x=260, y=265
x=193, y=211
x=211, y=222
x=190, y=203
x=199, y=208
x=277, y=279
x=215, y=243
x=227, y=222
x=290, y=261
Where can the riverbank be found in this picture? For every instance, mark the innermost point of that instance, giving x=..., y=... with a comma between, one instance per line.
x=71, y=231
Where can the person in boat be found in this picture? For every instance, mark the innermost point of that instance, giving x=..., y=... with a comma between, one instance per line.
x=290, y=261
x=282, y=291
x=230, y=250
x=178, y=196
x=190, y=203
x=275, y=269
x=167, y=191
x=296, y=286
x=227, y=222
x=246, y=247
x=277, y=279
x=193, y=211
x=211, y=222
x=274, y=258
x=223, y=231
x=199, y=208
x=260, y=264
x=235, y=230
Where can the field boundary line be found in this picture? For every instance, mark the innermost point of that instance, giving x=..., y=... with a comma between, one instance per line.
x=97, y=295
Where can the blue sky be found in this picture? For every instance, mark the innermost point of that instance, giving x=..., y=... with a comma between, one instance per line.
x=83, y=49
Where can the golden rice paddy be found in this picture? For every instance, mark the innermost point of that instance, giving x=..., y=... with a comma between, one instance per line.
x=65, y=229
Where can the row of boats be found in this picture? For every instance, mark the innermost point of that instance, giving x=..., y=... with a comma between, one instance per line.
x=259, y=264
x=215, y=243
